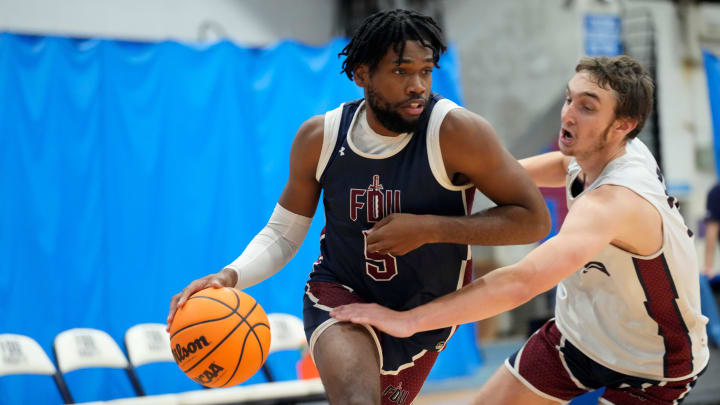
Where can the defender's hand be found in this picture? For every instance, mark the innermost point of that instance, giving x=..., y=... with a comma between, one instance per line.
x=399, y=234
x=391, y=322
x=223, y=278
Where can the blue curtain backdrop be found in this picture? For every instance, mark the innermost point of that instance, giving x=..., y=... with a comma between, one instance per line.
x=712, y=71
x=128, y=169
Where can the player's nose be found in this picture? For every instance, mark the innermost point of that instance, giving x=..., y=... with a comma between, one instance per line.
x=567, y=116
x=416, y=85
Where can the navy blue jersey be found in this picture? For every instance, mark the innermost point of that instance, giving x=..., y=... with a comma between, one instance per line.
x=358, y=191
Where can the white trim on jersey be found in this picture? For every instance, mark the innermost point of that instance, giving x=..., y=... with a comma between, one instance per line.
x=403, y=366
x=331, y=127
x=367, y=143
x=355, y=129
x=437, y=165
x=461, y=278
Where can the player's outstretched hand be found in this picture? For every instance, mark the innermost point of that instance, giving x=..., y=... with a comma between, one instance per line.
x=391, y=322
x=223, y=278
x=398, y=234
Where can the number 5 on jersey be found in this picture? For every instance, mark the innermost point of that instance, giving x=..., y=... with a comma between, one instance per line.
x=379, y=266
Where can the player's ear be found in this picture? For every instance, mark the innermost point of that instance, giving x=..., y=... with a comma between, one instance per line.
x=362, y=75
x=625, y=125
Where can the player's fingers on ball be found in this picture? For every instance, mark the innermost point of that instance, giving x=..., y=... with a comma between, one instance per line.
x=187, y=292
x=173, y=304
x=173, y=308
x=171, y=314
x=191, y=289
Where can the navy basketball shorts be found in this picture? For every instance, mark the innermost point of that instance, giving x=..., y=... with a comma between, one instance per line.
x=553, y=368
x=404, y=364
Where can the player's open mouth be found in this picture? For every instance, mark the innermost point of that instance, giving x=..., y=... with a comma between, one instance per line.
x=414, y=107
x=566, y=137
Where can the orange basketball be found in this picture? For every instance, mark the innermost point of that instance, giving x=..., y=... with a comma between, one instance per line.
x=220, y=337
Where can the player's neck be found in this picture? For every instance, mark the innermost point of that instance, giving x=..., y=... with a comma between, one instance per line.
x=593, y=163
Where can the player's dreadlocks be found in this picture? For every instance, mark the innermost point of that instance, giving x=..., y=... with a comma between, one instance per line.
x=386, y=28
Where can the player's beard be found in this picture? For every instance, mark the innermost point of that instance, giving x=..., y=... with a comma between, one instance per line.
x=602, y=141
x=389, y=117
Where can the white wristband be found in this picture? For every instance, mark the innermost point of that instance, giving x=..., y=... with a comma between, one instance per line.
x=272, y=248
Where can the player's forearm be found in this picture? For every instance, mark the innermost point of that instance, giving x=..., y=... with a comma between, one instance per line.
x=501, y=225
x=502, y=289
x=546, y=170
x=499, y=291
x=271, y=249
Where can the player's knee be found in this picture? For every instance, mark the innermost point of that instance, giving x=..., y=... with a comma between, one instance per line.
x=349, y=393
x=357, y=397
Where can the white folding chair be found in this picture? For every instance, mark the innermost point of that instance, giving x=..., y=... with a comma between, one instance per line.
x=148, y=343
x=287, y=332
x=20, y=354
x=90, y=348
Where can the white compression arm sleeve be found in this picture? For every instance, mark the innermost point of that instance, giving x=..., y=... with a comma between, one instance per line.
x=272, y=248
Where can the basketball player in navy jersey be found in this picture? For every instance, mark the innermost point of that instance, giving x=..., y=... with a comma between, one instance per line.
x=627, y=311
x=398, y=170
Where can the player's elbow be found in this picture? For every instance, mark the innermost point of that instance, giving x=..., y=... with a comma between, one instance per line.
x=521, y=289
x=530, y=279
x=539, y=222
x=546, y=224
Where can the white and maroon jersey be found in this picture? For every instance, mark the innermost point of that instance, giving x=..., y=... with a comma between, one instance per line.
x=638, y=315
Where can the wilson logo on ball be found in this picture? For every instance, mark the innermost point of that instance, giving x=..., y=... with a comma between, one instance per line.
x=209, y=375
x=181, y=353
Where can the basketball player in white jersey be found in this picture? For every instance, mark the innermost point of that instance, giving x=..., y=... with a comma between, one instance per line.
x=628, y=309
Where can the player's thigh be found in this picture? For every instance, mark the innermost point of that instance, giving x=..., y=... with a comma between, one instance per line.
x=348, y=362
x=503, y=388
